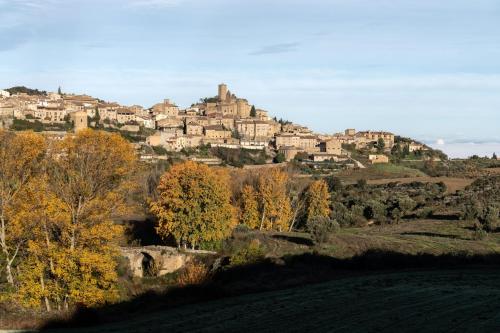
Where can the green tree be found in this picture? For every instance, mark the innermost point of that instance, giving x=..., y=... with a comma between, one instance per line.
x=279, y=158
x=253, y=112
x=380, y=145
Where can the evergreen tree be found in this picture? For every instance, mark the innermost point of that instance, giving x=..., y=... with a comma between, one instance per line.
x=253, y=112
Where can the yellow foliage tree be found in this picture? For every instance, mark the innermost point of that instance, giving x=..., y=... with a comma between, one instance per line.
x=89, y=173
x=275, y=208
x=70, y=255
x=249, y=214
x=193, y=204
x=318, y=200
x=21, y=155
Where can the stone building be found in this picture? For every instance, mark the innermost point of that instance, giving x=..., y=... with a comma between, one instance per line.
x=378, y=159
x=216, y=132
x=374, y=136
x=331, y=147
x=167, y=108
x=80, y=120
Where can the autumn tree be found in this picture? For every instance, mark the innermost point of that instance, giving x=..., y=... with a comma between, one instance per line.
x=249, y=214
x=317, y=200
x=274, y=203
x=193, y=204
x=20, y=158
x=89, y=172
x=87, y=184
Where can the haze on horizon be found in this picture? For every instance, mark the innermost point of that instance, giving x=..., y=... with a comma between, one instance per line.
x=420, y=68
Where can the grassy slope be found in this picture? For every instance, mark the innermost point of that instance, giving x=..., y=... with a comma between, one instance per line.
x=412, y=237
x=380, y=171
x=368, y=300
x=437, y=301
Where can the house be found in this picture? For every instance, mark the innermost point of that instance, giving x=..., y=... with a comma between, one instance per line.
x=332, y=147
x=378, y=159
x=167, y=108
x=415, y=146
x=145, y=121
x=125, y=115
x=374, y=136
x=194, y=128
x=216, y=132
x=289, y=152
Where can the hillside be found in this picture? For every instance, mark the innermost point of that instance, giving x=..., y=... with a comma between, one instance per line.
x=413, y=301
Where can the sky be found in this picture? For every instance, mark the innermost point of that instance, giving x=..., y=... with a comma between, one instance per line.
x=425, y=69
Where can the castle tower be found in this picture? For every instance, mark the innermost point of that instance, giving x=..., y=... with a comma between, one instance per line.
x=243, y=108
x=222, y=92
x=80, y=120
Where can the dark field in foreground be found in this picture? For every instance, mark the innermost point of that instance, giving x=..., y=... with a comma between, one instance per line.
x=411, y=301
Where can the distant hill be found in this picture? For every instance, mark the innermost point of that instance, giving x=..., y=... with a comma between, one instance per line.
x=25, y=90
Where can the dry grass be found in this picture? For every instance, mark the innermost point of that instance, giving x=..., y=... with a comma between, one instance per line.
x=193, y=273
x=452, y=184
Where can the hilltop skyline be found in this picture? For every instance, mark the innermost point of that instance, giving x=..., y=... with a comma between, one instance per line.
x=416, y=68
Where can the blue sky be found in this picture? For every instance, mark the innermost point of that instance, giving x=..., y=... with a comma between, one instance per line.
x=422, y=68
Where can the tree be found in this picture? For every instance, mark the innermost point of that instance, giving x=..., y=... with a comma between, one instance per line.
x=274, y=206
x=321, y=228
x=253, y=112
x=89, y=172
x=279, y=158
x=59, y=91
x=494, y=157
x=318, y=200
x=249, y=207
x=20, y=159
x=380, y=145
x=52, y=274
x=193, y=204
x=73, y=245
x=334, y=184
x=97, y=117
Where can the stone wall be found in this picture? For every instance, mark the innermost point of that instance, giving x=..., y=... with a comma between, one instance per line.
x=157, y=260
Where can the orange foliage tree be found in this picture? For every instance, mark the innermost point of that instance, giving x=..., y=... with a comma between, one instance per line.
x=193, y=204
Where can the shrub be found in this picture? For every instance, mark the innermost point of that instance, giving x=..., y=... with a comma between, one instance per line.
x=321, y=229
x=251, y=253
x=491, y=218
x=479, y=233
x=193, y=273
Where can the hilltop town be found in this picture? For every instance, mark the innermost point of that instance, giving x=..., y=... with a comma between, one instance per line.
x=224, y=120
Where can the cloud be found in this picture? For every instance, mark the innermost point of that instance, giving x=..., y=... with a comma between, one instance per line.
x=277, y=48
x=154, y=3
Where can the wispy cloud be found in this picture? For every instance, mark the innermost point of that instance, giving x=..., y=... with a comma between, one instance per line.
x=276, y=48
x=154, y=3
